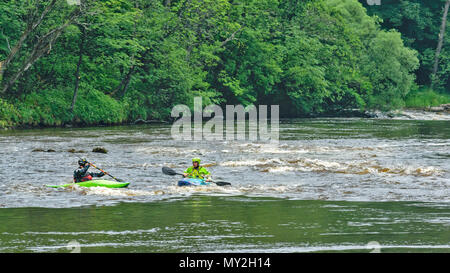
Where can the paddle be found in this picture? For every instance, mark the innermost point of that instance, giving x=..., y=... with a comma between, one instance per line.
x=118, y=180
x=169, y=171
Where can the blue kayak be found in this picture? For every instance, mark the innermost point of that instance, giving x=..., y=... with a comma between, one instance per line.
x=193, y=182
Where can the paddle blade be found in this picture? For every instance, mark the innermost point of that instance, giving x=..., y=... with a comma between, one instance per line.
x=222, y=184
x=168, y=171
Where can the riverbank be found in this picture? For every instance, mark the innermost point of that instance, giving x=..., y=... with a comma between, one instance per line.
x=432, y=113
x=94, y=108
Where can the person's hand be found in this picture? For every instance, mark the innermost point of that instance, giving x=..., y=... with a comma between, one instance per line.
x=185, y=174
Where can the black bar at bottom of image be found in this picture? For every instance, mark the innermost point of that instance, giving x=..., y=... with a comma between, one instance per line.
x=231, y=262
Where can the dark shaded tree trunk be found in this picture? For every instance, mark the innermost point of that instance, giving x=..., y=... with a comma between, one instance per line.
x=123, y=86
x=121, y=89
x=440, y=44
x=77, y=73
x=127, y=82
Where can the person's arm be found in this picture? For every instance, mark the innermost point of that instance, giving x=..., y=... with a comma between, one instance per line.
x=187, y=172
x=206, y=174
x=97, y=174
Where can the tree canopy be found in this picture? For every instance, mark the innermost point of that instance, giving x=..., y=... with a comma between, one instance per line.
x=135, y=59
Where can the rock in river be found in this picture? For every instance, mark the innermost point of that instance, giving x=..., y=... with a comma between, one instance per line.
x=100, y=150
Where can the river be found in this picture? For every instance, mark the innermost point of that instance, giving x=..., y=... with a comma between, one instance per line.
x=328, y=185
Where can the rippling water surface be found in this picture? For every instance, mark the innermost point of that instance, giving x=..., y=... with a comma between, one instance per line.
x=329, y=185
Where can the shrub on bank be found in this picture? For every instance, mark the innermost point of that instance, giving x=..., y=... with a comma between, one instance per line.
x=44, y=108
x=426, y=97
x=95, y=107
x=53, y=108
x=8, y=114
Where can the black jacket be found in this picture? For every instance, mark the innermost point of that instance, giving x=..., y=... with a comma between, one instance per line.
x=79, y=173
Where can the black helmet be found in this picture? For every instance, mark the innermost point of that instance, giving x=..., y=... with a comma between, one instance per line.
x=82, y=161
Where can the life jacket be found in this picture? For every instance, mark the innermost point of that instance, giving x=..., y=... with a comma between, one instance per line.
x=196, y=173
x=87, y=177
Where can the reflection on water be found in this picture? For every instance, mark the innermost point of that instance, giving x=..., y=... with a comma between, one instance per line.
x=229, y=224
x=329, y=185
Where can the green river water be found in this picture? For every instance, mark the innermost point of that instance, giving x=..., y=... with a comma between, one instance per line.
x=330, y=185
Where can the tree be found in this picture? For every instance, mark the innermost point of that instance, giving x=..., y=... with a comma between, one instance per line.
x=419, y=23
x=440, y=43
x=43, y=41
x=80, y=61
x=34, y=20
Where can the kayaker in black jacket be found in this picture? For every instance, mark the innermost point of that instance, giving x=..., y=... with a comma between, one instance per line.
x=81, y=174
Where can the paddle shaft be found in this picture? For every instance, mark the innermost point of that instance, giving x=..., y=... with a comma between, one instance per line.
x=119, y=180
x=105, y=172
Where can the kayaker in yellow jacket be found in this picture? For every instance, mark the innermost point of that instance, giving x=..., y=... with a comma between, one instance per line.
x=197, y=171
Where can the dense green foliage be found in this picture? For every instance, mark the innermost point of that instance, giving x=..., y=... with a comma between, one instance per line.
x=8, y=114
x=419, y=22
x=136, y=59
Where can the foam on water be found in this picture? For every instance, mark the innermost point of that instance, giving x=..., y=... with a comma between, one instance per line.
x=279, y=165
x=332, y=159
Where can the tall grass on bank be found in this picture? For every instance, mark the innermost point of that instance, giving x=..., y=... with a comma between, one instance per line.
x=52, y=108
x=423, y=98
x=8, y=114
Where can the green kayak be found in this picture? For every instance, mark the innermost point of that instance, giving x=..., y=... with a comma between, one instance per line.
x=95, y=183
